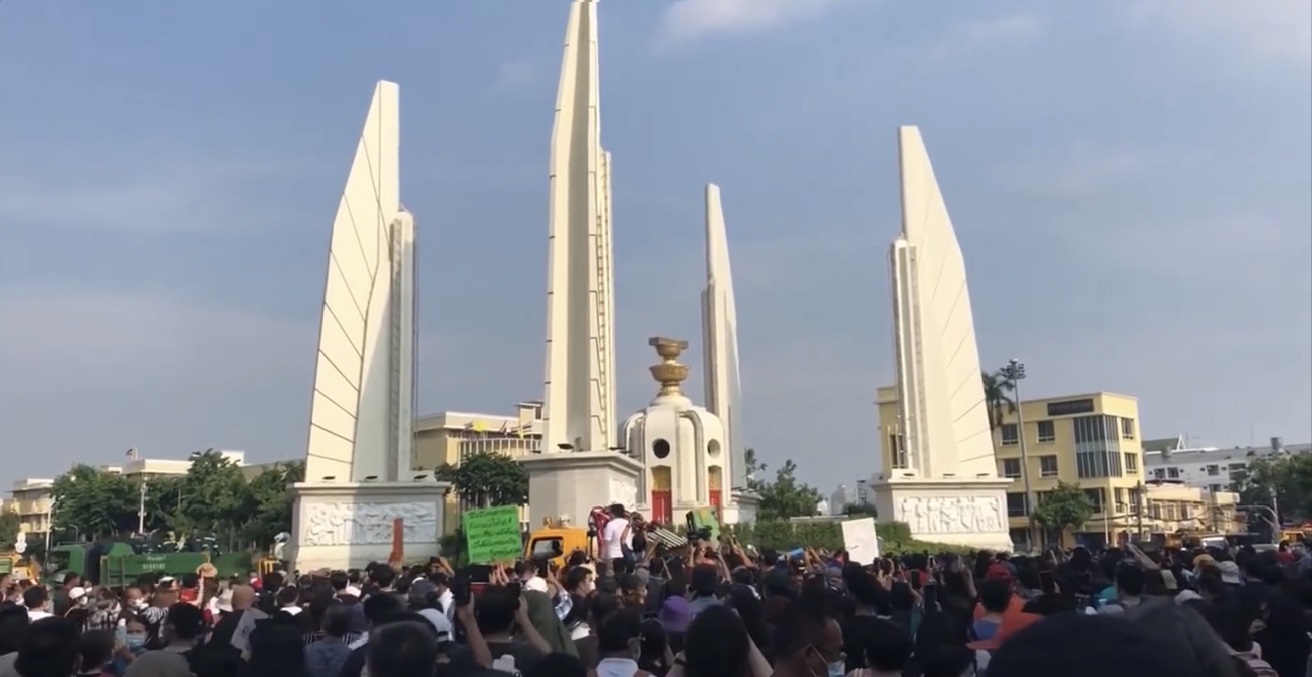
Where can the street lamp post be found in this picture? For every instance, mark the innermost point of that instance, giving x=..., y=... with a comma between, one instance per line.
x=1014, y=373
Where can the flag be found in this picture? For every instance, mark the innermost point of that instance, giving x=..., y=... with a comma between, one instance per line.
x=469, y=426
x=480, y=426
x=505, y=427
x=132, y=454
x=519, y=431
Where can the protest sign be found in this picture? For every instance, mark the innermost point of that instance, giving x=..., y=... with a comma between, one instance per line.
x=492, y=534
x=861, y=541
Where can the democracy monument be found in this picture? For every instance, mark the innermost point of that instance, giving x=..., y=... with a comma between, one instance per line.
x=359, y=486
x=672, y=456
x=942, y=478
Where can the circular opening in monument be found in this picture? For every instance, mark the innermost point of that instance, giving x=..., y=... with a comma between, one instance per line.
x=660, y=448
x=713, y=448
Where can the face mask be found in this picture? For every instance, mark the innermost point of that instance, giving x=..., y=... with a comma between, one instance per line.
x=837, y=669
x=136, y=642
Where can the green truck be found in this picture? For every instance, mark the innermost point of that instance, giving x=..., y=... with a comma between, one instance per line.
x=122, y=565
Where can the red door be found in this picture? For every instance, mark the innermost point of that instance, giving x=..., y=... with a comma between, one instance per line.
x=715, y=497
x=662, y=508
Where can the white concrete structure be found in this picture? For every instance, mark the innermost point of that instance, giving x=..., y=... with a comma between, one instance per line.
x=578, y=410
x=949, y=490
x=684, y=450
x=579, y=403
x=357, y=461
x=720, y=336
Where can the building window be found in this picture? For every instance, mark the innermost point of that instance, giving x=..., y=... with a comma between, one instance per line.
x=1173, y=473
x=1127, y=428
x=1121, y=506
x=1048, y=466
x=1131, y=463
x=1010, y=435
x=1011, y=468
x=1237, y=467
x=1214, y=488
x=897, y=445
x=660, y=448
x=1047, y=431
x=1016, y=504
x=1213, y=470
x=1096, y=496
x=1097, y=447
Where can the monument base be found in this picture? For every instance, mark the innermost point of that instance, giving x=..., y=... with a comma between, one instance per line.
x=568, y=484
x=741, y=510
x=347, y=525
x=958, y=511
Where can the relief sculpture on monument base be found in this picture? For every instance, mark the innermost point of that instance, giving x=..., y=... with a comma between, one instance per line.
x=624, y=490
x=951, y=514
x=343, y=523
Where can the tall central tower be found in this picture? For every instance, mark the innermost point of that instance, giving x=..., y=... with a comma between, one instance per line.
x=579, y=402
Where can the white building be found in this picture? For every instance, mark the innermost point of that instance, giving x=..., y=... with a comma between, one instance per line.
x=1211, y=468
x=842, y=497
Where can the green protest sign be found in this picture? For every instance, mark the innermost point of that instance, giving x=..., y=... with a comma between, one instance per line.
x=492, y=534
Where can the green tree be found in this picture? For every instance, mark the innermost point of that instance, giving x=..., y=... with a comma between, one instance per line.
x=213, y=498
x=1287, y=478
x=87, y=502
x=860, y=510
x=9, y=526
x=997, y=397
x=783, y=498
x=1066, y=507
x=487, y=479
x=271, y=502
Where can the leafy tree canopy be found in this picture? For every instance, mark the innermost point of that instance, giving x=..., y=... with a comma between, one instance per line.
x=997, y=397
x=213, y=497
x=488, y=479
x=1066, y=507
x=783, y=498
x=860, y=510
x=9, y=526
x=1286, y=478
x=91, y=502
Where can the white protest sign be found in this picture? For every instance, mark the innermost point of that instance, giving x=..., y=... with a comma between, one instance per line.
x=860, y=541
x=241, y=637
x=20, y=543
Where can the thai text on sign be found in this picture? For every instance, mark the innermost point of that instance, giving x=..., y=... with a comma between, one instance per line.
x=492, y=534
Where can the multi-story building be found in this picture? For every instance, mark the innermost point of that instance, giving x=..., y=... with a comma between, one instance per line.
x=30, y=499
x=448, y=437
x=1171, y=507
x=1089, y=440
x=1211, y=468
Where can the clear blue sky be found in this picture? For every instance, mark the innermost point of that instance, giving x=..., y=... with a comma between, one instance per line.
x=1130, y=181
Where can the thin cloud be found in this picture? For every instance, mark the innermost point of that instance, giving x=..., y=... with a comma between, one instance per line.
x=516, y=74
x=186, y=198
x=978, y=34
x=1088, y=170
x=1278, y=31
x=690, y=20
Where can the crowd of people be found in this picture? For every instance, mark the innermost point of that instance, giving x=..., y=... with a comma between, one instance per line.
x=699, y=611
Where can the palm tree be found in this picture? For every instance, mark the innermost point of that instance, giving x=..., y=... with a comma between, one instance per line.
x=996, y=398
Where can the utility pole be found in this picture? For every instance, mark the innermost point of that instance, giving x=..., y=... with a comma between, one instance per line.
x=141, y=508
x=1139, y=506
x=1014, y=373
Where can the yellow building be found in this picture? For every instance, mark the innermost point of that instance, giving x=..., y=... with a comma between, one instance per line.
x=447, y=437
x=30, y=498
x=1089, y=440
